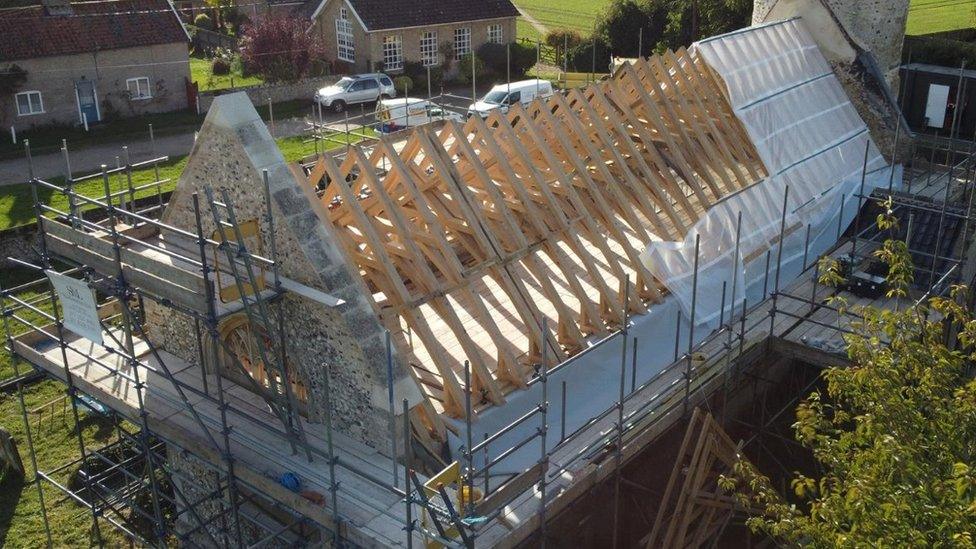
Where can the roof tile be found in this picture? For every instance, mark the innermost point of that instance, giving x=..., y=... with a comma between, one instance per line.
x=93, y=26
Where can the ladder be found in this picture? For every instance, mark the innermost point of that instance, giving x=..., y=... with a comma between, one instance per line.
x=256, y=309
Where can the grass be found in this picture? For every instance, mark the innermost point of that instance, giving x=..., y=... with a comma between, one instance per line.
x=21, y=522
x=201, y=73
x=931, y=16
x=55, y=444
x=48, y=139
x=16, y=202
x=578, y=15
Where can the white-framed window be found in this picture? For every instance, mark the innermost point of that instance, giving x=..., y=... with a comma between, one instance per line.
x=392, y=52
x=462, y=42
x=29, y=102
x=495, y=34
x=428, y=48
x=345, y=43
x=139, y=88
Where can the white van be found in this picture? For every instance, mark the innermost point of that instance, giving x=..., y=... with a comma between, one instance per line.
x=504, y=96
x=399, y=114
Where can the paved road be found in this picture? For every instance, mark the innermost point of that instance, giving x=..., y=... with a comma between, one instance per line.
x=88, y=160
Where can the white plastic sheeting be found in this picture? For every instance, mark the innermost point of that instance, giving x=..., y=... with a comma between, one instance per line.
x=812, y=141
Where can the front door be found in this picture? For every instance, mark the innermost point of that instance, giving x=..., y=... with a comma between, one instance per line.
x=87, y=104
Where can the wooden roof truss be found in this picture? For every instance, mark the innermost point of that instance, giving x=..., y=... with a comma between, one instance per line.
x=473, y=237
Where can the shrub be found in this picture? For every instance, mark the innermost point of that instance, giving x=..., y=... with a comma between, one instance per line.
x=581, y=57
x=558, y=38
x=403, y=84
x=203, y=21
x=219, y=66
x=495, y=57
x=464, y=69
x=279, y=49
x=418, y=73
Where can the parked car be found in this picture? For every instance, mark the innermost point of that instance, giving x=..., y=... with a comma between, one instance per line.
x=399, y=114
x=503, y=96
x=360, y=88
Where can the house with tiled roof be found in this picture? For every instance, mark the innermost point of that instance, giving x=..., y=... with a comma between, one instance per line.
x=366, y=35
x=85, y=62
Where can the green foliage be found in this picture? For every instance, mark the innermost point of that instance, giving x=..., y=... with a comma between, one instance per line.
x=403, y=84
x=558, y=38
x=203, y=21
x=667, y=23
x=495, y=57
x=894, y=434
x=418, y=74
x=581, y=58
x=940, y=51
x=11, y=79
x=621, y=24
x=279, y=49
x=464, y=69
x=219, y=66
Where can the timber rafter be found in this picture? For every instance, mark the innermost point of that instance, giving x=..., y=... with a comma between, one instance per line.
x=475, y=236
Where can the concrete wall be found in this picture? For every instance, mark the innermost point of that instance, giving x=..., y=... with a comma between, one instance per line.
x=285, y=91
x=166, y=65
x=369, y=45
x=877, y=26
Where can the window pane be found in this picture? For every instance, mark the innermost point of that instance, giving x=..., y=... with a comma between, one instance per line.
x=23, y=104
x=428, y=48
x=35, y=102
x=462, y=42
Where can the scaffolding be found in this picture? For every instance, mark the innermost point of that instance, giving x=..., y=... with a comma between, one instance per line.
x=132, y=483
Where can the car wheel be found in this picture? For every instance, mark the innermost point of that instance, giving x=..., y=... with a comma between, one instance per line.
x=384, y=97
x=338, y=106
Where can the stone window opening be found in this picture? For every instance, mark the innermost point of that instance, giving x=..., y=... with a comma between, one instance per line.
x=392, y=52
x=239, y=352
x=462, y=42
x=29, y=102
x=428, y=48
x=139, y=88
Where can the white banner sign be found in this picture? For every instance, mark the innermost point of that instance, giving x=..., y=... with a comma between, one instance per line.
x=79, y=311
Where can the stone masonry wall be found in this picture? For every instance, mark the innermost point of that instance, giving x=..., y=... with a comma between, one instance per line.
x=876, y=25
x=277, y=93
x=346, y=341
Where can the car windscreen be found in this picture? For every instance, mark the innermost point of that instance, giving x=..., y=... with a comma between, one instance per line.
x=344, y=83
x=495, y=97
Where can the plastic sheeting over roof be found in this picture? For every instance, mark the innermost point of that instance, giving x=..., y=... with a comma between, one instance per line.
x=815, y=147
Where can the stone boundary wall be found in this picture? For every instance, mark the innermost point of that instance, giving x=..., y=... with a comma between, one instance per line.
x=259, y=95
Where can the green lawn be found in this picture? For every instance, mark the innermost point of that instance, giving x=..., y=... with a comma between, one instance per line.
x=929, y=16
x=570, y=14
x=21, y=524
x=16, y=203
x=48, y=139
x=200, y=72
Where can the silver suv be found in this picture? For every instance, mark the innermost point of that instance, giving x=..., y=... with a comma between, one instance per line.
x=359, y=88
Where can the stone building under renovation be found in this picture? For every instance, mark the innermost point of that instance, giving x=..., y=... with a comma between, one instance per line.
x=474, y=333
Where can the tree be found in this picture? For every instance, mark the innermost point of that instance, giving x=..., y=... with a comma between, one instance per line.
x=894, y=434
x=279, y=49
x=667, y=24
x=12, y=78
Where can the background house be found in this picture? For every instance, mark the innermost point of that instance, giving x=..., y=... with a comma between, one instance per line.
x=371, y=35
x=92, y=60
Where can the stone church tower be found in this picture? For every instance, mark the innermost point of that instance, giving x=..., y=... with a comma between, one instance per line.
x=877, y=26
